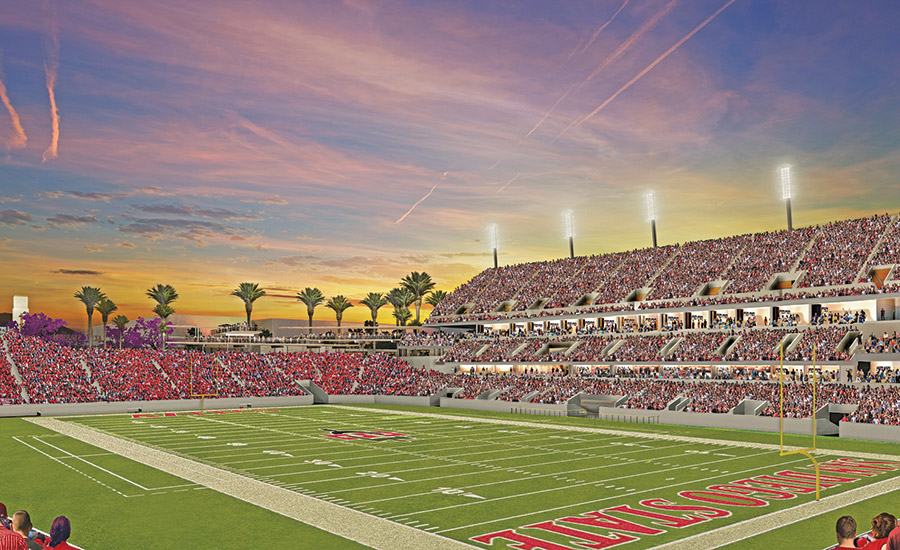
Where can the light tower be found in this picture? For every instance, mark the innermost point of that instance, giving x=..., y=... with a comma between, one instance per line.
x=492, y=233
x=785, y=175
x=651, y=214
x=569, y=218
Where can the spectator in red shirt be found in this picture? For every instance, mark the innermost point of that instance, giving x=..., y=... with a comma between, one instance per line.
x=60, y=530
x=882, y=525
x=845, y=529
x=11, y=541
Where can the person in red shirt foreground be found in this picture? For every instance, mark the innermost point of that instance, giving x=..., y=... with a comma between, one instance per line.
x=845, y=529
x=60, y=530
x=893, y=542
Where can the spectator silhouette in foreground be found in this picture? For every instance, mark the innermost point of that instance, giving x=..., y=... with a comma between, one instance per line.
x=882, y=525
x=846, y=532
x=21, y=524
x=60, y=530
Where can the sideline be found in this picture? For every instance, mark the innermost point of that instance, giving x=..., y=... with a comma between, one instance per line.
x=604, y=431
x=351, y=524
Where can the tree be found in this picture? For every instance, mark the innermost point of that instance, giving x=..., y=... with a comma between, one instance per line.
x=249, y=293
x=90, y=296
x=400, y=298
x=419, y=284
x=339, y=304
x=312, y=297
x=402, y=315
x=106, y=307
x=163, y=311
x=435, y=298
x=162, y=294
x=374, y=301
x=120, y=321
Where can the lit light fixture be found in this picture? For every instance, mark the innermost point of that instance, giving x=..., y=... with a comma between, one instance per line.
x=651, y=206
x=785, y=175
x=569, y=218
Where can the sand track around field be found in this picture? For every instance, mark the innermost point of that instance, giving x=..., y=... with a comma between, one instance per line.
x=351, y=524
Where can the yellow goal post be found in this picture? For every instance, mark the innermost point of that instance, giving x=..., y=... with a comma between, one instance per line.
x=809, y=450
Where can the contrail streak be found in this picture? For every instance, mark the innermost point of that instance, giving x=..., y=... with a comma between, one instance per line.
x=505, y=185
x=17, y=141
x=648, y=68
x=636, y=35
x=51, y=68
x=418, y=202
x=608, y=21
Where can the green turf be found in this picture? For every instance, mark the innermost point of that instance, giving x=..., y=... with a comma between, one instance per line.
x=103, y=518
x=456, y=477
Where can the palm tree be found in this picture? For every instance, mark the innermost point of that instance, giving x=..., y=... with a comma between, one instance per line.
x=402, y=315
x=419, y=284
x=120, y=321
x=163, y=311
x=374, y=301
x=312, y=297
x=339, y=303
x=105, y=307
x=400, y=298
x=435, y=297
x=162, y=294
x=249, y=293
x=90, y=296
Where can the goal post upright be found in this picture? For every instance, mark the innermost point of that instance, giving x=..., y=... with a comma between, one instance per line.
x=809, y=450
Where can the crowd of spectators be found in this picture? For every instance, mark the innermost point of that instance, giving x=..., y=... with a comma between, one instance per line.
x=154, y=374
x=841, y=250
x=698, y=346
x=837, y=252
x=17, y=532
x=697, y=262
x=886, y=343
x=594, y=272
x=839, y=318
x=889, y=250
x=764, y=255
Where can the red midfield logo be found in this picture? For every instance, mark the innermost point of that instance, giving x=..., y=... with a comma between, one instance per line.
x=354, y=435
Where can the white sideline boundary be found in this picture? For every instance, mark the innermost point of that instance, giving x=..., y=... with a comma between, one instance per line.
x=366, y=529
x=604, y=431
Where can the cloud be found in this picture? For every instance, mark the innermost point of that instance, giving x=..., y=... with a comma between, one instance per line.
x=14, y=217
x=91, y=249
x=8, y=199
x=267, y=200
x=72, y=221
x=126, y=244
x=51, y=68
x=294, y=261
x=213, y=213
x=77, y=272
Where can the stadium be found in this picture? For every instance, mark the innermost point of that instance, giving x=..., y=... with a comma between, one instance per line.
x=711, y=369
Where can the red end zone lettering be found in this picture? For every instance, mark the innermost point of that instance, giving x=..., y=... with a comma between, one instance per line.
x=525, y=542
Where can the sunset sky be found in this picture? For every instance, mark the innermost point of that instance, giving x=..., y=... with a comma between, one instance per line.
x=343, y=144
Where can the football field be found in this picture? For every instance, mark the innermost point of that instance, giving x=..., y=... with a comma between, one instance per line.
x=389, y=478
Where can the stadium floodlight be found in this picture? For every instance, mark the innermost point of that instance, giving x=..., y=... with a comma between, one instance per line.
x=569, y=218
x=651, y=214
x=784, y=174
x=492, y=234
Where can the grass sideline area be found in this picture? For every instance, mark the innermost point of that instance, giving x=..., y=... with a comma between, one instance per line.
x=458, y=473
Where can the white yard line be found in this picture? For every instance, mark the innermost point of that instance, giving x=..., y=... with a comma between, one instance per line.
x=591, y=502
x=95, y=480
x=647, y=435
x=125, y=479
x=351, y=524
